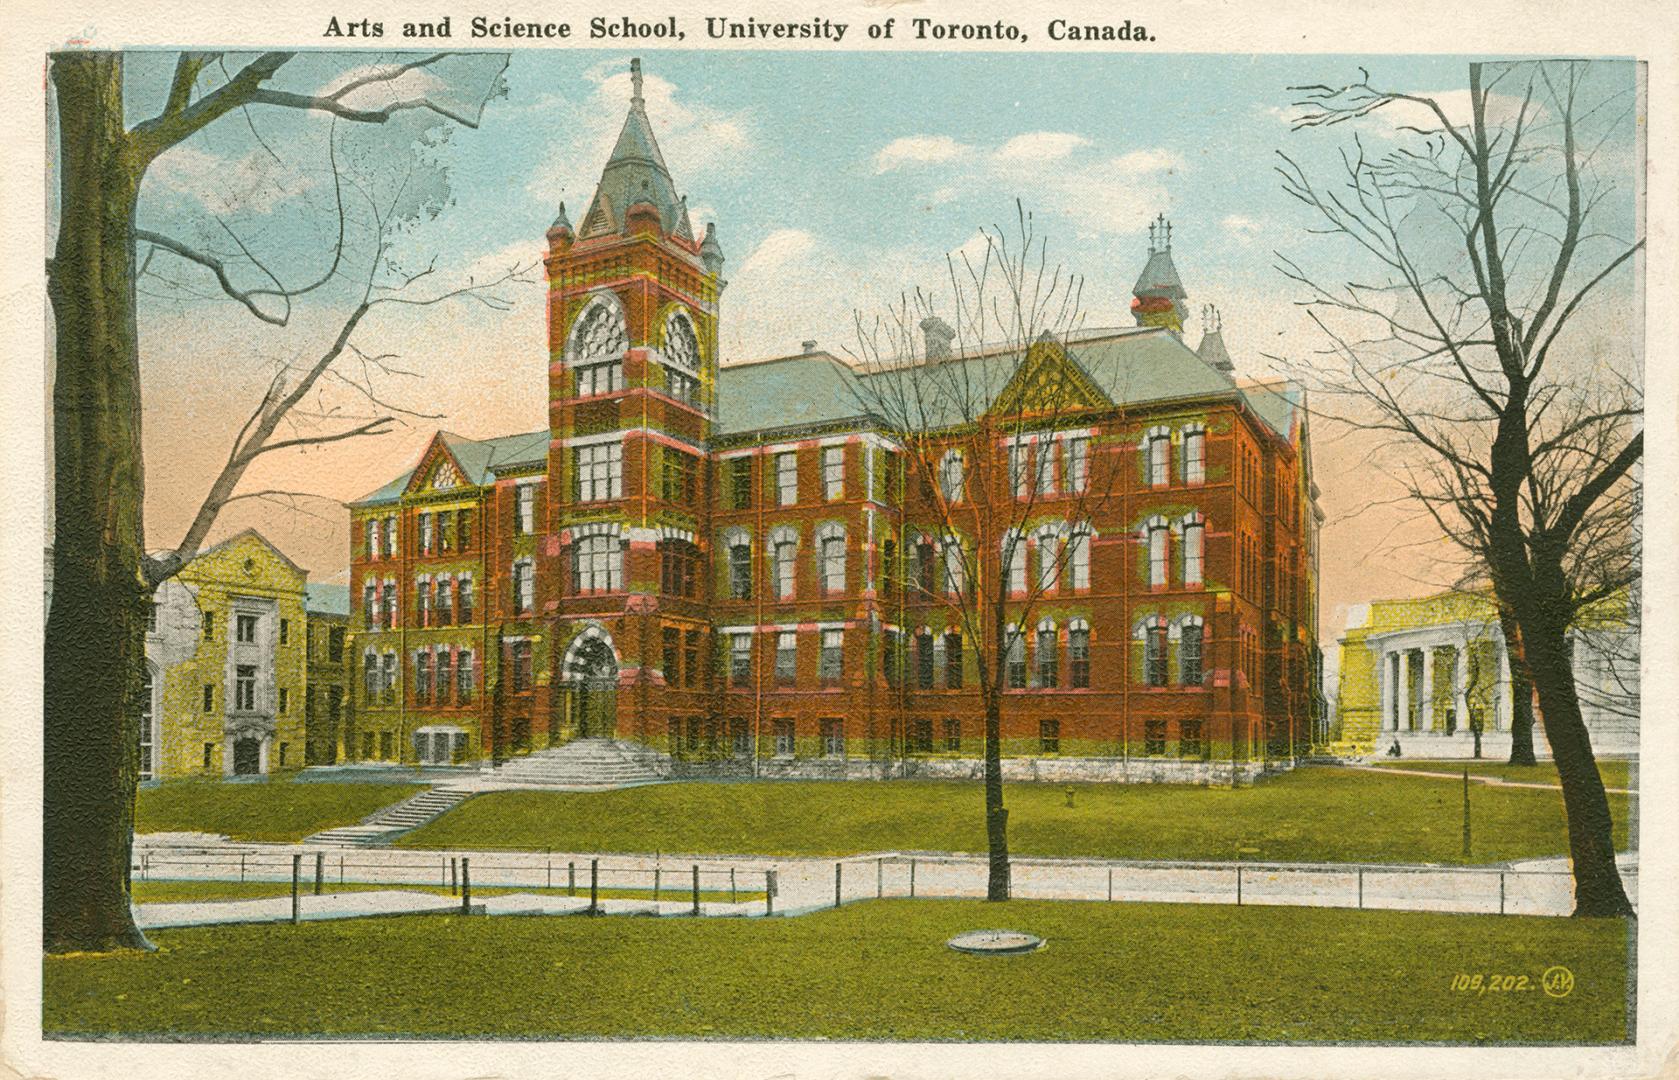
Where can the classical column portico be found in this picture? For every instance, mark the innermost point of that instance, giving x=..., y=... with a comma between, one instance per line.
x=1425, y=721
x=1402, y=681
x=1460, y=684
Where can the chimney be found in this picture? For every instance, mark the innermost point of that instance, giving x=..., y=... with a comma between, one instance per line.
x=938, y=335
x=809, y=346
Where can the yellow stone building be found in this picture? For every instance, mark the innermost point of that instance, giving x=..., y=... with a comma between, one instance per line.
x=1432, y=676
x=226, y=668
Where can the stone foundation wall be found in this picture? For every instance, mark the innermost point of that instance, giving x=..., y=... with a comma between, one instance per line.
x=1015, y=770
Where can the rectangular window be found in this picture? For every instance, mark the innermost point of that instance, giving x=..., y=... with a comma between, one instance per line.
x=370, y=537
x=678, y=568
x=522, y=675
x=600, y=378
x=1014, y=554
x=787, y=478
x=740, y=483
x=925, y=567
x=833, y=738
x=673, y=737
x=1154, y=737
x=445, y=677
x=952, y=734
x=285, y=700
x=524, y=587
x=426, y=538
x=924, y=661
x=464, y=680
x=367, y=746
x=370, y=604
x=785, y=554
x=955, y=567
x=1194, y=457
x=466, y=600
x=1049, y=662
x=952, y=660
x=890, y=659
x=740, y=571
x=463, y=530
x=1077, y=464
x=387, y=682
x=1189, y=738
x=1193, y=545
x=1049, y=562
x=677, y=479
x=422, y=593
x=1078, y=658
x=833, y=657
x=1078, y=557
x=1017, y=660
x=921, y=737
x=671, y=638
x=1154, y=656
x=245, y=629
x=335, y=644
x=1049, y=736
x=445, y=607
x=245, y=687
x=209, y=752
x=1189, y=655
x=786, y=657
x=370, y=678
x=833, y=565
x=388, y=537
x=524, y=506
x=784, y=743
x=598, y=564
x=1019, y=479
x=740, y=737
x=691, y=658
x=833, y=472
x=740, y=660
x=209, y=698
x=387, y=746
x=285, y=631
x=445, y=529
x=1157, y=557
x=1159, y=460
x=389, y=608
x=422, y=678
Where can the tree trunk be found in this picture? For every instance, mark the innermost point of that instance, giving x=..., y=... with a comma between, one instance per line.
x=95, y=639
x=996, y=816
x=1521, y=690
x=1591, y=845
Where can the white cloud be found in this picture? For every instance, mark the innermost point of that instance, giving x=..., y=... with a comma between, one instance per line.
x=1141, y=162
x=1041, y=146
x=779, y=249
x=253, y=184
x=918, y=150
x=1244, y=229
x=695, y=139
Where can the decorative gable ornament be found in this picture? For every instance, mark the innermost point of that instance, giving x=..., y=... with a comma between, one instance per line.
x=1048, y=381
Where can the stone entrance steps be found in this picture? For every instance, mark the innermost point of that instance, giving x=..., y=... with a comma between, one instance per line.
x=410, y=813
x=588, y=764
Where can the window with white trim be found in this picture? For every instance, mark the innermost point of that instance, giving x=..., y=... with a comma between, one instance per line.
x=1189, y=652
x=600, y=471
x=1194, y=544
x=525, y=509
x=1049, y=656
x=598, y=564
x=1076, y=464
x=952, y=476
x=1157, y=556
x=786, y=552
x=524, y=586
x=1194, y=455
x=1049, y=560
x=787, y=478
x=955, y=567
x=1078, y=654
x=831, y=561
x=1014, y=558
x=1018, y=477
x=833, y=472
x=1159, y=458
x=245, y=687
x=1078, y=557
x=832, y=659
x=786, y=657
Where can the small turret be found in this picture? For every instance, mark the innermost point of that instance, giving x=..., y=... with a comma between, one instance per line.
x=560, y=234
x=711, y=252
x=1159, y=293
x=1211, y=350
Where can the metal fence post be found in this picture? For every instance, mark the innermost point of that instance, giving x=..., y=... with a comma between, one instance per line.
x=241, y=866
x=296, y=872
x=912, y=879
x=769, y=892
x=879, y=878
x=658, y=874
x=466, y=886
x=320, y=870
x=696, y=889
x=454, y=886
x=1238, y=884
x=550, y=873
x=1361, y=888
x=571, y=879
x=340, y=869
x=1110, y=884
x=1501, y=892
x=594, y=883
x=838, y=867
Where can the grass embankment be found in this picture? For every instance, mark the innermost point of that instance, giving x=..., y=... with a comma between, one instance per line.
x=877, y=970
x=1616, y=773
x=278, y=810
x=1311, y=814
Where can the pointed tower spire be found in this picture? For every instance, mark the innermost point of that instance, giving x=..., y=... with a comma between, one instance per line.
x=635, y=173
x=1211, y=350
x=1159, y=293
x=636, y=100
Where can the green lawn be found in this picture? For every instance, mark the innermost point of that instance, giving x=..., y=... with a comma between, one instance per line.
x=1615, y=773
x=276, y=810
x=178, y=892
x=877, y=970
x=1325, y=814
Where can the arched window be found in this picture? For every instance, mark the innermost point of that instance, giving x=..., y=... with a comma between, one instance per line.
x=1078, y=557
x=738, y=544
x=596, y=350
x=924, y=659
x=952, y=476
x=1014, y=560
x=682, y=351
x=1190, y=642
x=1194, y=454
x=1194, y=549
x=955, y=567
x=784, y=550
x=1048, y=655
x=953, y=660
x=1016, y=655
x=1159, y=558
x=1049, y=557
x=1078, y=654
x=1152, y=630
x=925, y=565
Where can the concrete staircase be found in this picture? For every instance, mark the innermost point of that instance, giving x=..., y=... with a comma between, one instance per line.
x=584, y=764
x=410, y=813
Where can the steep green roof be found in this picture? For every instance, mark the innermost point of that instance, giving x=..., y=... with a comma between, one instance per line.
x=324, y=599
x=479, y=459
x=635, y=173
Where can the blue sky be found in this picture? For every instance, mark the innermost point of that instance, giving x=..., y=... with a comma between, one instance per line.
x=836, y=179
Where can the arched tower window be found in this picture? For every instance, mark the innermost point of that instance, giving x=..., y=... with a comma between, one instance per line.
x=596, y=351
x=682, y=355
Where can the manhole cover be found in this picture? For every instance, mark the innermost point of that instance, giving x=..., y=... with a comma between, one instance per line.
x=995, y=942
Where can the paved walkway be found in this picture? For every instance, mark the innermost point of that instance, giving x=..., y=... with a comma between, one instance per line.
x=1535, y=887
x=1481, y=778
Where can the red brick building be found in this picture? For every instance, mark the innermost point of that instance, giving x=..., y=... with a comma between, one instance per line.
x=726, y=564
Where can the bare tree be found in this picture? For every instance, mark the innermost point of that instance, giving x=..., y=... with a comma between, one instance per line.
x=964, y=399
x=102, y=578
x=1486, y=348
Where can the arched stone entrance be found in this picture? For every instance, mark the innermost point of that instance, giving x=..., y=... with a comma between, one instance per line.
x=591, y=674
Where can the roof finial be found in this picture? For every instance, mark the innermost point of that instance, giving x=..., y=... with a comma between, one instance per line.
x=635, y=81
x=1151, y=238
x=1168, y=225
